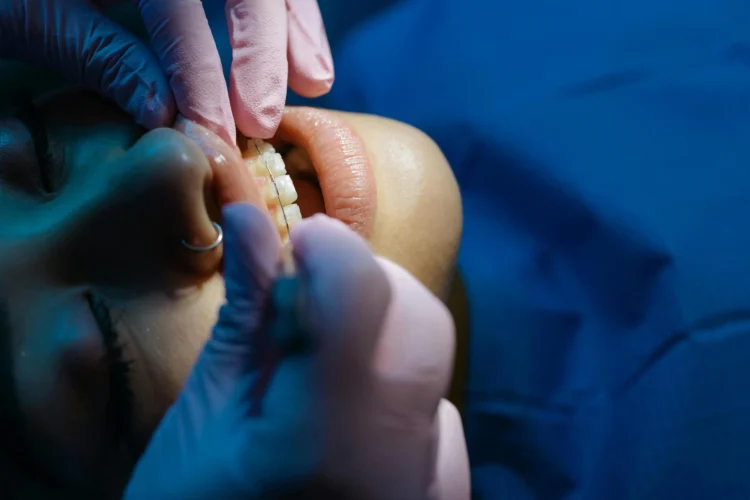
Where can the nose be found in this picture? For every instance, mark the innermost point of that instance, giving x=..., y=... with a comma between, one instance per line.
x=137, y=211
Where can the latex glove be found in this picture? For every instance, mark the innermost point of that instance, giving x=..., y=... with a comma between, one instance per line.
x=75, y=39
x=274, y=42
x=363, y=409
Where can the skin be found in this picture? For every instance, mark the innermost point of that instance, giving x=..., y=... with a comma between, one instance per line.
x=418, y=224
x=124, y=200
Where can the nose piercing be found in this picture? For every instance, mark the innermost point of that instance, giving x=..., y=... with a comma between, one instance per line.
x=215, y=244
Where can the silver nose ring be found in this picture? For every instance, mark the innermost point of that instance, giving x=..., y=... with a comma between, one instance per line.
x=215, y=244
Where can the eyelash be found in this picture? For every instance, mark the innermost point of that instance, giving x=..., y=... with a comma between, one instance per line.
x=120, y=405
x=29, y=114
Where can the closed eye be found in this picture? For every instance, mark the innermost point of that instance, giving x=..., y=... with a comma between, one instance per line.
x=120, y=403
x=30, y=116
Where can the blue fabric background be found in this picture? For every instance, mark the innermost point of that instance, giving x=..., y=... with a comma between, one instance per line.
x=603, y=152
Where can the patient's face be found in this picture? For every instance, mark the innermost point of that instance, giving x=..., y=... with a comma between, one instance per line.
x=102, y=309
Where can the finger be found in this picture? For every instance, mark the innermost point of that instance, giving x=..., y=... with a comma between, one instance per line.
x=347, y=296
x=411, y=368
x=452, y=476
x=251, y=252
x=258, y=78
x=232, y=180
x=314, y=397
x=183, y=42
x=310, y=60
x=92, y=51
x=414, y=357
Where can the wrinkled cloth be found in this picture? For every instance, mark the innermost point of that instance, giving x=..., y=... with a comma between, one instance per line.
x=360, y=410
x=275, y=44
x=603, y=153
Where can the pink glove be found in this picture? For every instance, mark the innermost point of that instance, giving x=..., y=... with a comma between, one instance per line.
x=362, y=410
x=271, y=39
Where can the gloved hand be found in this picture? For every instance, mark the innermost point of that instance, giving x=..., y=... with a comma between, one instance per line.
x=274, y=41
x=362, y=410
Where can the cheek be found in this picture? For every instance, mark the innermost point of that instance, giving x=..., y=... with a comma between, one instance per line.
x=163, y=337
x=61, y=383
x=18, y=169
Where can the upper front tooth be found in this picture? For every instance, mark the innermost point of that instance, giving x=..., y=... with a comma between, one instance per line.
x=275, y=163
x=268, y=162
x=286, y=192
x=263, y=146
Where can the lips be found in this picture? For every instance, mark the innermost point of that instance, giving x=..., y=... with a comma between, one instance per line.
x=340, y=173
x=327, y=160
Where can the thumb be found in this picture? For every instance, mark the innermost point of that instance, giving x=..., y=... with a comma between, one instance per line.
x=91, y=50
x=251, y=254
x=193, y=452
x=347, y=295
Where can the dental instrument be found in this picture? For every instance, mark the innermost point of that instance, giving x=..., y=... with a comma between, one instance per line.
x=283, y=332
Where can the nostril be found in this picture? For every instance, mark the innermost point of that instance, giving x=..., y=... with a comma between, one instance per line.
x=168, y=192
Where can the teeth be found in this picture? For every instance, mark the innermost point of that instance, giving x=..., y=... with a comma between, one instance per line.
x=286, y=192
x=275, y=164
x=293, y=216
x=262, y=146
x=282, y=205
x=257, y=164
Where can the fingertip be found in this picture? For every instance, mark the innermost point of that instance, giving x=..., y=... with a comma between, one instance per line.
x=247, y=221
x=156, y=110
x=303, y=227
x=320, y=231
x=251, y=249
x=310, y=87
x=343, y=277
x=311, y=71
x=249, y=232
x=452, y=473
x=236, y=215
x=228, y=133
x=264, y=119
x=258, y=76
